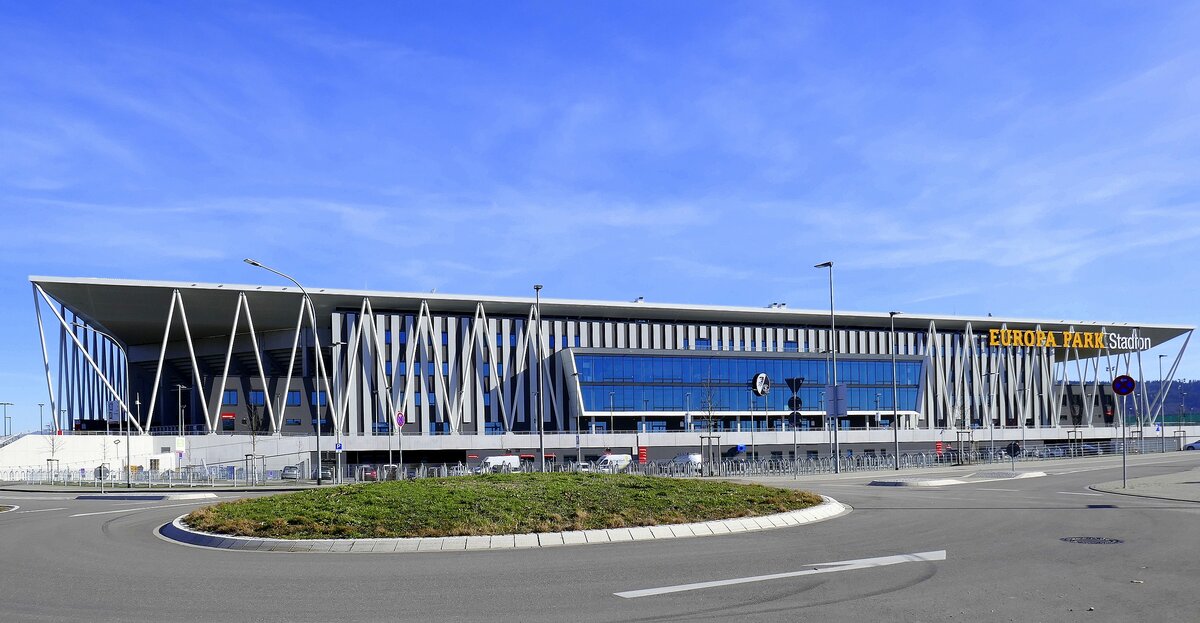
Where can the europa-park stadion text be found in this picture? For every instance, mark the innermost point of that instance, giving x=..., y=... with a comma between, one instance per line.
x=1066, y=339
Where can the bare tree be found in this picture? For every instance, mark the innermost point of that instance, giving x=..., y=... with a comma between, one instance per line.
x=710, y=403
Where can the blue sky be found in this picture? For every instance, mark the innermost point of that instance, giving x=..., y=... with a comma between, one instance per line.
x=1024, y=159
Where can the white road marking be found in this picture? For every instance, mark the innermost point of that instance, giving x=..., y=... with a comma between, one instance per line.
x=822, y=567
x=42, y=510
x=1075, y=493
x=986, y=489
x=144, y=508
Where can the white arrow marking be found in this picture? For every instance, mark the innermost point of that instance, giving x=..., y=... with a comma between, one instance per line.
x=144, y=508
x=823, y=567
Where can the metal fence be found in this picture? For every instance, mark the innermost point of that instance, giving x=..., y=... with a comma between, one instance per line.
x=247, y=474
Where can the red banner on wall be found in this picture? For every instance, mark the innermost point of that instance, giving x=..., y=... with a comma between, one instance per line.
x=642, y=451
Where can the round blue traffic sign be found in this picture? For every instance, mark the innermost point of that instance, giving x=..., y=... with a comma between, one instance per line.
x=1123, y=385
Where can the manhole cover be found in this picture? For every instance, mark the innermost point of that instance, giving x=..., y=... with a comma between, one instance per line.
x=1091, y=540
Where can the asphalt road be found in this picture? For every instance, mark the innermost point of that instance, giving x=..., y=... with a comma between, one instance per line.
x=63, y=559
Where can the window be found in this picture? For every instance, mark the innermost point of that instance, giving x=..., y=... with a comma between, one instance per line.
x=257, y=397
x=292, y=421
x=552, y=341
x=387, y=368
x=576, y=341
x=229, y=397
x=703, y=343
x=317, y=398
x=293, y=399
x=387, y=336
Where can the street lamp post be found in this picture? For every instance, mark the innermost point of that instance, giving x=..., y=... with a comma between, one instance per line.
x=750, y=408
x=179, y=387
x=337, y=427
x=128, y=455
x=41, y=422
x=7, y=426
x=833, y=350
x=895, y=393
x=612, y=418
x=1162, y=423
x=312, y=317
x=578, y=413
x=537, y=295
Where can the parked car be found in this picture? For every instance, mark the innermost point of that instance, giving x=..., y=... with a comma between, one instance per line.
x=368, y=472
x=291, y=472
x=326, y=473
x=1195, y=445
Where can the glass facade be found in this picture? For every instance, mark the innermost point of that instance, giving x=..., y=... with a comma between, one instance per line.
x=679, y=383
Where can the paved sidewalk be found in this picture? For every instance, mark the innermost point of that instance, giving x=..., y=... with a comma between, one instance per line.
x=1181, y=486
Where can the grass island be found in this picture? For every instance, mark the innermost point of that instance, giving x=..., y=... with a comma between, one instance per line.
x=493, y=504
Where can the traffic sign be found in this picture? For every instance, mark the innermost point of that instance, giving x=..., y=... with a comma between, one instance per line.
x=399, y=418
x=1123, y=385
x=338, y=447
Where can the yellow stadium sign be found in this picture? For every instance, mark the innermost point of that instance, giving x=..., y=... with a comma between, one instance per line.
x=1066, y=339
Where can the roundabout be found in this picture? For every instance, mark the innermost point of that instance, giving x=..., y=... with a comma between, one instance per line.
x=986, y=551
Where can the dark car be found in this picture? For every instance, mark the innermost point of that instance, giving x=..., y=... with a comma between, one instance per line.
x=369, y=473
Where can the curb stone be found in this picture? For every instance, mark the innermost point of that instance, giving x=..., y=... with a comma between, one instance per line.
x=179, y=532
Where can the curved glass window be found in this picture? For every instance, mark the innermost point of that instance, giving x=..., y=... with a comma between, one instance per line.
x=702, y=383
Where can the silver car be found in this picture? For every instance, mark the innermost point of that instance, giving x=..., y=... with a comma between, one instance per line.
x=291, y=472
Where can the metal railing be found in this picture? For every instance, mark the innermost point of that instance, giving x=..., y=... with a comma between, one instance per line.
x=237, y=474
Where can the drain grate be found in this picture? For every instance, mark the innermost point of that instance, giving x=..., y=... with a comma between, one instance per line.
x=1091, y=540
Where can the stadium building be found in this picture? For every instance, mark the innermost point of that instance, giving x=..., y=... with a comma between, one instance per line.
x=198, y=372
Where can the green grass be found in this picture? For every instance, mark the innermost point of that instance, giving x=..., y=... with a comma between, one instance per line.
x=493, y=504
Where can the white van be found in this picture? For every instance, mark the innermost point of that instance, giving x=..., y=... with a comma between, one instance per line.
x=612, y=463
x=505, y=463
